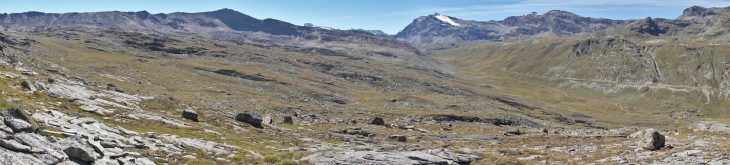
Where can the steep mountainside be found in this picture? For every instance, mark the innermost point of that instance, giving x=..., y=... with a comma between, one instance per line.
x=683, y=61
x=435, y=32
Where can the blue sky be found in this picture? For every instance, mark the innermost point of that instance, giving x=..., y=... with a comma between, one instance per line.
x=388, y=15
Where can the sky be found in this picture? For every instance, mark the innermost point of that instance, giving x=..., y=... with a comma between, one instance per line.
x=390, y=16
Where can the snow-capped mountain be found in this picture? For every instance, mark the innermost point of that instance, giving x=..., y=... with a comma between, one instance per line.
x=438, y=31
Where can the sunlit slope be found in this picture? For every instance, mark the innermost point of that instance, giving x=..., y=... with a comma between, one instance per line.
x=609, y=79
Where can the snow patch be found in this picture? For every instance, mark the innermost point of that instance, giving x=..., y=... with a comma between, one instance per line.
x=446, y=19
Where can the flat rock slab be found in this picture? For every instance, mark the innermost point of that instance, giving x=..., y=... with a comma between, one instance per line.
x=390, y=157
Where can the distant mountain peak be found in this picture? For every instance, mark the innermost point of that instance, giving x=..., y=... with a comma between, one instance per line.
x=559, y=12
x=696, y=11
x=226, y=10
x=438, y=31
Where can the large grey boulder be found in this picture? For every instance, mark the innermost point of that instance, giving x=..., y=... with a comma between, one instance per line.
x=190, y=115
x=17, y=121
x=18, y=125
x=651, y=140
x=250, y=118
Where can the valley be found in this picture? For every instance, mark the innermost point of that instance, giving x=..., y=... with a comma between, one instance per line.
x=222, y=87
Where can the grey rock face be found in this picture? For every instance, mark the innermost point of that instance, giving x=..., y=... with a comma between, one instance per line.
x=250, y=118
x=651, y=140
x=190, y=114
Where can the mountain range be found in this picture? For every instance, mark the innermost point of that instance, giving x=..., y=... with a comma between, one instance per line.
x=435, y=31
x=222, y=87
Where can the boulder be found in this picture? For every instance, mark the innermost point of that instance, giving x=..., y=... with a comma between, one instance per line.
x=15, y=113
x=651, y=140
x=267, y=120
x=17, y=121
x=289, y=120
x=18, y=125
x=250, y=118
x=28, y=86
x=190, y=115
x=74, y=148
x=398, y=138
x=378, y=121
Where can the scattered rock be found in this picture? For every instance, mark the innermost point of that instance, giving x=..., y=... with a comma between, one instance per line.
x=190, y=115
x=651, y=140
x=96, y=146
x=267, y=120
x=28, y=86
x=443, y=157
x=74, y=149
x=288, y=120
x=378, y=121
x=514, y=133
x=355, y=131
x=338, y=101
x=17, y=121
x=18, y=125
x=531, y=157
x=398, y=138
x=250, y=118
x=13, y=145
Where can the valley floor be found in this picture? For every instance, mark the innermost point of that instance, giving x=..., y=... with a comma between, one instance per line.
x=131, y=98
